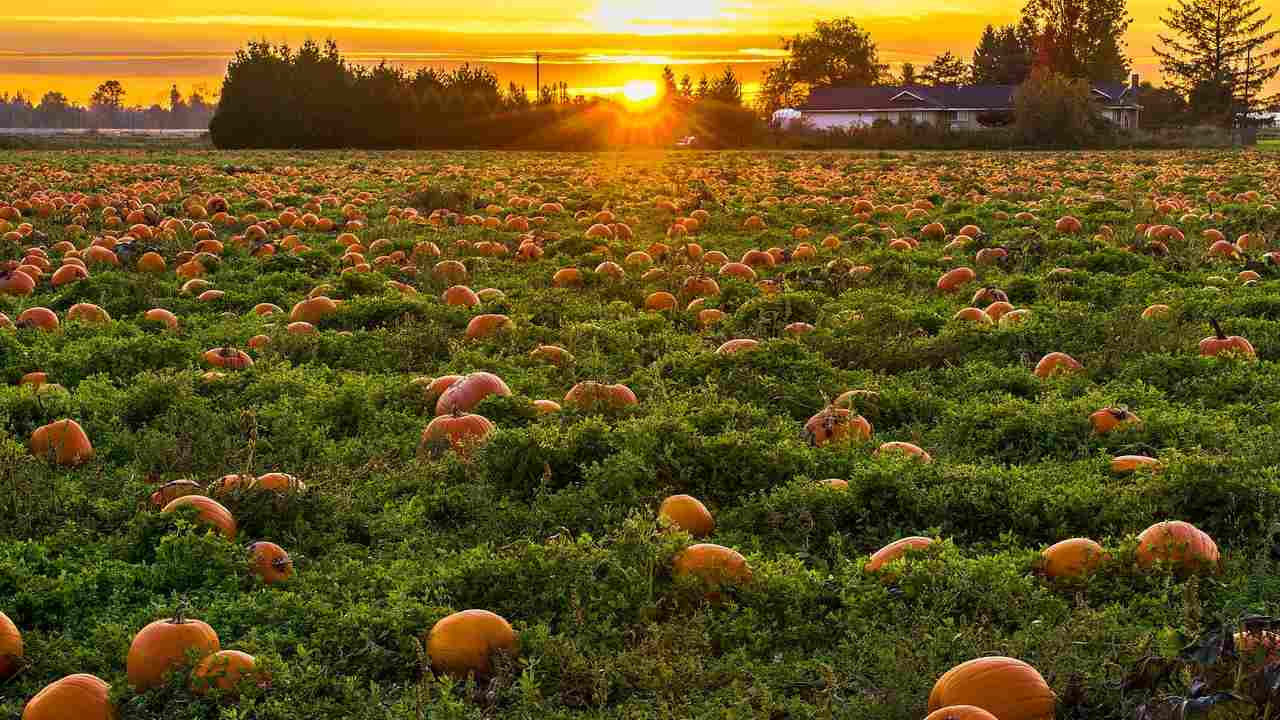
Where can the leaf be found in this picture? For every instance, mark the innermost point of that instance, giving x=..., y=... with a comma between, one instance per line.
x=1209, y=647
x=1150, y=672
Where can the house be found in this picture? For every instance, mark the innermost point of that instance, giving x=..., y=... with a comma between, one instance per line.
x=960, y=107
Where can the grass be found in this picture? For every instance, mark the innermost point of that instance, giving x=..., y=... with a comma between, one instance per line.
x=551, y=522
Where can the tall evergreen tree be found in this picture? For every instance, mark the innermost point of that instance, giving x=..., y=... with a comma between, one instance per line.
x=909, y=74
x=1218, y=54
x=946, y=69
x=1003, y=56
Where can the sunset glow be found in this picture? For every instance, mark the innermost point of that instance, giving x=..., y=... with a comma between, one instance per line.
x=639, y=92
x=72, y=46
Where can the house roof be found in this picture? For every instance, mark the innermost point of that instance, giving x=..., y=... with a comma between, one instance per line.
x=920, y=97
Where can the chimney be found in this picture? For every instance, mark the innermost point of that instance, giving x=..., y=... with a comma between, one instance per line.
x=1133, y=82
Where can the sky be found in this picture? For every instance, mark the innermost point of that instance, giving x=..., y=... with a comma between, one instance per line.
x=596, y=46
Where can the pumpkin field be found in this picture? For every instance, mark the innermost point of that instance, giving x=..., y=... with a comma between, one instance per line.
x=643, y=435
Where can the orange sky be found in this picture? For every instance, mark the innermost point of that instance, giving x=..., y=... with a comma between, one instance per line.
x=590, y=44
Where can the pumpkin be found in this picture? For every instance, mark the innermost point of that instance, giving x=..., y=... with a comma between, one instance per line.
x=10, y=647
x=1110, y=418
x=74, y=697
x=458, y=431
x=40, y=318
x=1129, y=463
x=553, y=354
x=223, y=670
x=209, y=511
x=1067, y=225
x=171, y=491
x=895, y=550
x=960, y=712
x=1007, y=688
x=151, y=262
x=836, y=483
x=998, y=309
x=266, y=309
x=270, y=562
x=483, y=326
x=13, y=282
x=228, y=358
x=709, y=317
x=592, y=396
x=836, y=424
x=738, y=345
x=464, y=643
x=162, y=647
x=546, y=407
x=570, y=277
x=460, y=295
x=278, y=482
x=904, y=448
x=435, y=388
x=1074, y=557
x=688, y=514
x=463, y=395
x=1177, y=542
x=62, y=441
x=713, y=565
x=162, y=316
x=88, y=313
x=35, y=379
x=738, y=270
x=1220, y=343
x=974, y=315
x=313, y=310
x=660, y=301
x=1055, y=363
x=955, y=279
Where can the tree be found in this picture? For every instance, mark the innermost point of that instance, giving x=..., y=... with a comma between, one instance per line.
x=909, y=74
x=686, y=86
x=109, y=96
x=54, y=110
x=1053, y=109
x=1218, y=54
x=669, y=87
x=1003, y=56
x=1161, y=106
x=726, y=89
x=1080, y=38
x=837, y=53
x=946, y=69
x=704, y=87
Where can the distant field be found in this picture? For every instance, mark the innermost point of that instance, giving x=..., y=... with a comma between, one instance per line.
x=82, y=139
x=783, y=321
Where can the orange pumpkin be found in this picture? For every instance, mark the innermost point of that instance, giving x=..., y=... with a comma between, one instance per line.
x=592, y=396
x=163, y=317
x=88, y=313
x=1220, y=343
x=466, y=393
x=895, y=550
x=1110, y=418
x=713, y=565
x=171, y=491
x=1177, y=542
x=209, y=511
x=270, y=562
x=40, y=318
x=1129, y=463
x=224, y=670
x=688, y=514
x=464, y=643
x=228, y=358
x=1056, y=363
x=955, y=279
x=1074, y=557
x=1007, y=688
x=460, y=295
x=313, y=310
x=904, y=448
x=960, y=712
x=737, y=345
x=162, y=647
x=483, y=326
x=10, y=647
x=836, y=424
x=660, y=301
x=553, y=354
x=62, y=441
x=457, y=431
x=74, y=697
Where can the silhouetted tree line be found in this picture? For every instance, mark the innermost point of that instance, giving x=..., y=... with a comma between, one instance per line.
x=106, y=109
x=274, y=96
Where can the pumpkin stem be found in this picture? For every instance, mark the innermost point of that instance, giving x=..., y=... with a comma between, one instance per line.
x=1217, y=329
x=180, y=612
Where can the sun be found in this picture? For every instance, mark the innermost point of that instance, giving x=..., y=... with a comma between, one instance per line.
x=640, y=92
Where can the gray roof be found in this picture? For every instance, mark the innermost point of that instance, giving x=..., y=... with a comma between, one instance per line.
x=921, y=97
